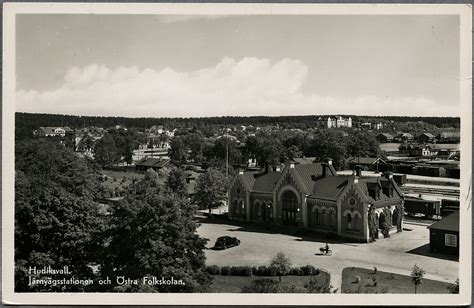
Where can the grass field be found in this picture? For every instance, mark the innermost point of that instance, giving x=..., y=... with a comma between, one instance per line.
x=386, y=283
x=234, y=284
x=120, y=179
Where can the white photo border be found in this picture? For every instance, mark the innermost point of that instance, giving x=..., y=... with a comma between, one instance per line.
x=9, y=13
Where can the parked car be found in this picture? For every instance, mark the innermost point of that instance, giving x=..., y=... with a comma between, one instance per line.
x=225, y=242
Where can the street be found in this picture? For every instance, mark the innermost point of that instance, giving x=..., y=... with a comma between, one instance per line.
x=259, y=245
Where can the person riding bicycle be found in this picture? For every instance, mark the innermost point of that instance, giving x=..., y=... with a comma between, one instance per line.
x=327, y=248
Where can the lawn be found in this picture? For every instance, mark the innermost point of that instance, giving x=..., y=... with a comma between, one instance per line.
x=386, y=283
x=234, y=284
x=119, y=179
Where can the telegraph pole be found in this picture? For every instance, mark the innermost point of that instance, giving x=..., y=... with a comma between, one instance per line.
x=226, y=153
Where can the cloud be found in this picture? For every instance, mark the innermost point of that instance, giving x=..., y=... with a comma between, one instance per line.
x=251, y=86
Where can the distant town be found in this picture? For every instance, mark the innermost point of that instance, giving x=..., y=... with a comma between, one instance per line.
x=267, y=180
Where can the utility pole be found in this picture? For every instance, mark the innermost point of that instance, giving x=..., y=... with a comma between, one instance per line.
x=226, y=153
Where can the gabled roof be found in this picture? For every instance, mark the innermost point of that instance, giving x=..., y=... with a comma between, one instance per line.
x=407, y=135
x=329, y=187
x=449, y=223
x=387, y=135
x=153, y=162
x=303, y=174
x=306, y=172
x=304, y=160
x=266, y=182
x=365, y=183
x=50, y=130
x=365, y=160
x=428, y=135
x=248, y=178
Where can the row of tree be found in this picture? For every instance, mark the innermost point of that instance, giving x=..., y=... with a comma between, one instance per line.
x=27, y=122
x=273, y=148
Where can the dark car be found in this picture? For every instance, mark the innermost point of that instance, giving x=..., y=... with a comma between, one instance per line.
x=225, y=242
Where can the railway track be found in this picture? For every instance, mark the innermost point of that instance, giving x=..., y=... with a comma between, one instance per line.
x=429, y=191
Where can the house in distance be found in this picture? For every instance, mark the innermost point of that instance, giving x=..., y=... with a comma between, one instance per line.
x=154, y=163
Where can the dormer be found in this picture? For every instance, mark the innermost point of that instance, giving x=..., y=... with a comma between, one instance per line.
x=373, y=190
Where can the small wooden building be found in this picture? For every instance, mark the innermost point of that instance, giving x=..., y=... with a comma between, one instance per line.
x=153, y=163
x=385, y=138
x=444, y=235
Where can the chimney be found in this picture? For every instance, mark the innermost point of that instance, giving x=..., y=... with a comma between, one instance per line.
x=324, y=166
x=388, y=175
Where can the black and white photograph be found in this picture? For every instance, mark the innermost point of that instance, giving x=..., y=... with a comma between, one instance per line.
x=211, y=153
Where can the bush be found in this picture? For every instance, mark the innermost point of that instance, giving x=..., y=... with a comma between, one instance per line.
x=309, y=270
x=296, y=271
x=225, y=271
x=262, y=286
x=374, y=282
x=254, y=270
x=264, y=270
x=241, y=271
x=312, y=286
x=213, y=270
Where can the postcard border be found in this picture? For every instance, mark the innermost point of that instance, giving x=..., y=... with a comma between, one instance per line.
x=8, y=125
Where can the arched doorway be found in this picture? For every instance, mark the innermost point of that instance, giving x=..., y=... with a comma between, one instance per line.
x=289, y=207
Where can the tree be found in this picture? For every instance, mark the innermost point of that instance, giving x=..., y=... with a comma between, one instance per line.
x=176, y=181
x=163, y=138
x=328, y=143
x=211, y=189
x=454, y=289
x=294, y=152
x=224, y=147
x=313, y=286
x=178, y=150
x=57, y=221
x=151, y=143
x=106, y=152
x=153, y=234
x=281, y=264
x=398, y=214
x=85, y=144
x=417, y=275
x=362, y=144
x=385, y=221
x=373, y=226
x=269, y=151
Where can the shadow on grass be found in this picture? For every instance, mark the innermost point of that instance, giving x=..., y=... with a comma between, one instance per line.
x=425, y=251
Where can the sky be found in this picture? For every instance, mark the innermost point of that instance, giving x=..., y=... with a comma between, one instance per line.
x=197, y=66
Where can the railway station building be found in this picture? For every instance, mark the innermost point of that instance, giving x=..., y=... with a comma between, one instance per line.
x=312, y=196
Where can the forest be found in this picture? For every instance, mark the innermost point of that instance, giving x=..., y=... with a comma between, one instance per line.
x=27, y=122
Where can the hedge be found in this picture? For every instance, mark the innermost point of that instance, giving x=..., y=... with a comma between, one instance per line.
x=262, y=270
